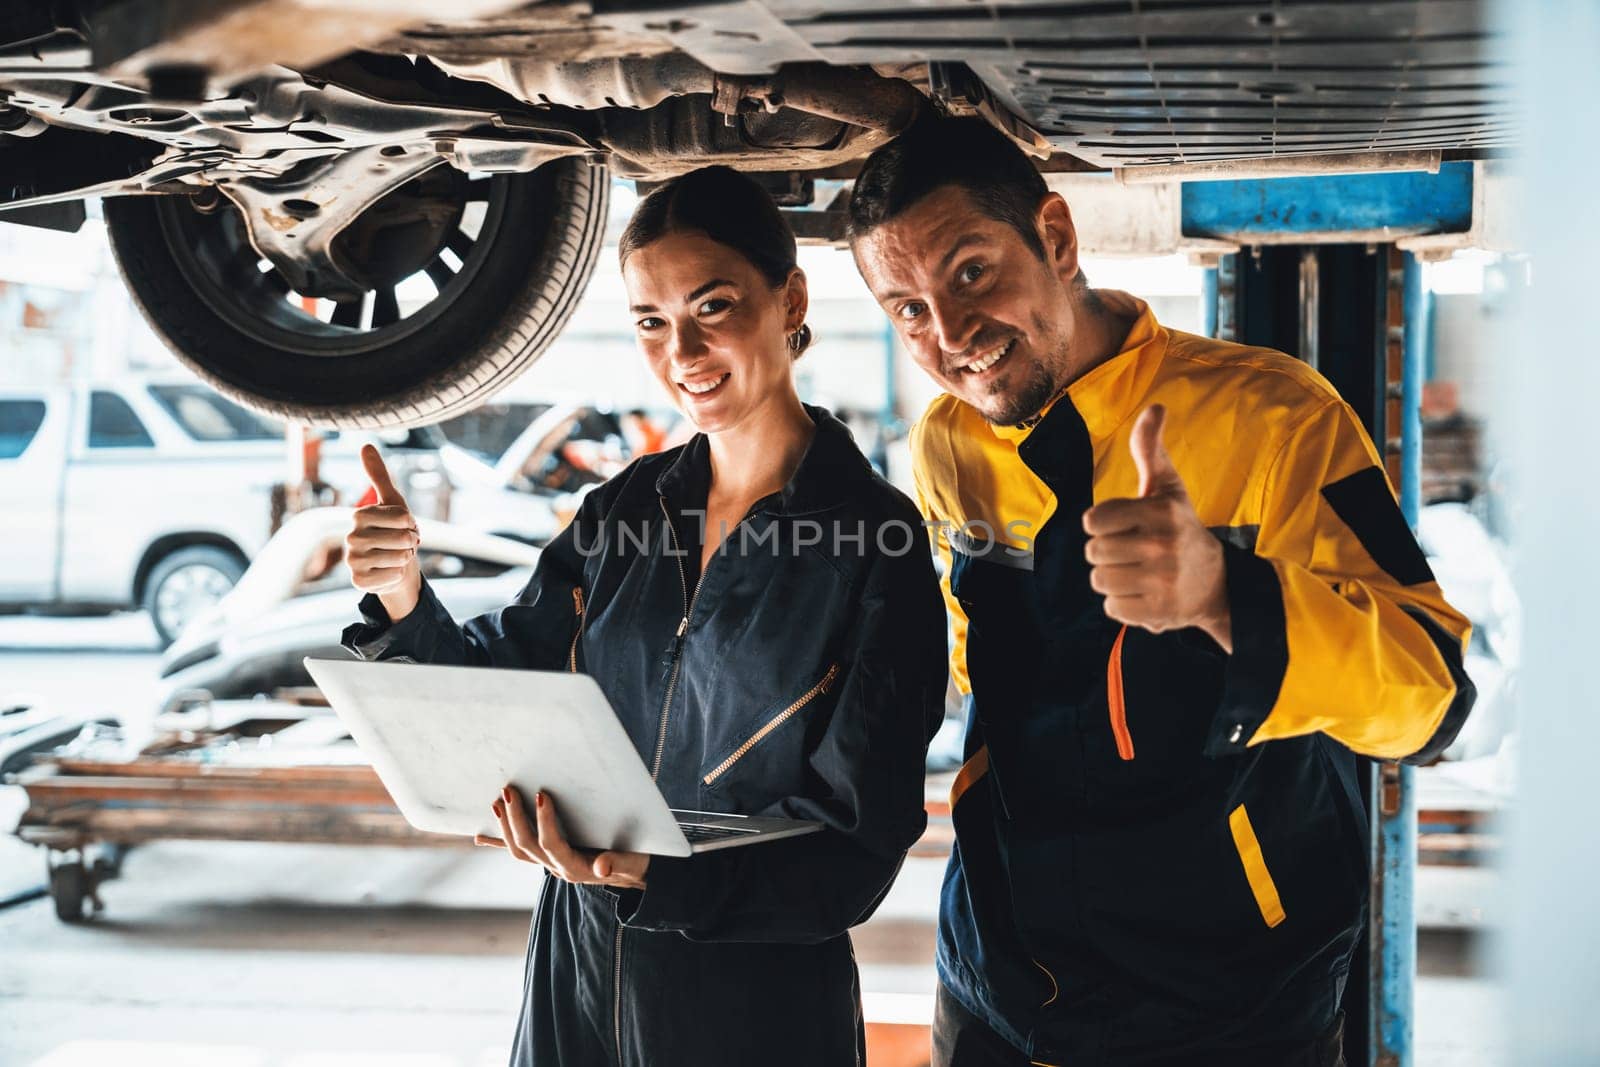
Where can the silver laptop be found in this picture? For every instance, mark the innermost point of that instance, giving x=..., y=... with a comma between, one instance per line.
x=444, y=740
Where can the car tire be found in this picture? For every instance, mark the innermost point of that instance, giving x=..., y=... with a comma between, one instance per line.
x=194, y=276
x=198, y=574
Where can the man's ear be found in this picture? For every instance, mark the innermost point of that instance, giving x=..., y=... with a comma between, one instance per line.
x=1058, y=236
x=796, y=300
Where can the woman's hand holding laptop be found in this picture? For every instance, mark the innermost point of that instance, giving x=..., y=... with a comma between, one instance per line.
x=543, y=843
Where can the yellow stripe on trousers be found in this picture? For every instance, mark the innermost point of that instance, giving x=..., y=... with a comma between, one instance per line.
x=975, y=767
x=1255, y=867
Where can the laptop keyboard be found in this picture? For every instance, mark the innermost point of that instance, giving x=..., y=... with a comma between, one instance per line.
x=699, y=832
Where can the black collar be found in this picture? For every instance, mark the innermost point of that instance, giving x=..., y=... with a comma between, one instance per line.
x=829, y=472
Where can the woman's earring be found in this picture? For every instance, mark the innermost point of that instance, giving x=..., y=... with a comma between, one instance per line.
x=794, y=340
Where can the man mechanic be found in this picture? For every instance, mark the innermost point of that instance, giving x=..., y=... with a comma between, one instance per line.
x=1184, y=602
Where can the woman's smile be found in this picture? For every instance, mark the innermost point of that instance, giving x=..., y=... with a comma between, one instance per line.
x=703, y=387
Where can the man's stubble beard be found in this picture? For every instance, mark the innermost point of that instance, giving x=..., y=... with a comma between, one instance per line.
x=1022, y=403
x=1040, y=383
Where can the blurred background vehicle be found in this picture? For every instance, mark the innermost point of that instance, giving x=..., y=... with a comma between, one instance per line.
x=295, y=598
x=152, y=494
x=155, y=494
x=527, y=488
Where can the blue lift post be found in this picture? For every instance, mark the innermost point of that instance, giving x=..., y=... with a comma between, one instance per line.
x=1394, y=842
x=1332, y=210
x=1208, y=302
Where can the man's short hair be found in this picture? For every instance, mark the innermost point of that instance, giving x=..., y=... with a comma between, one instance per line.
x=935, y=152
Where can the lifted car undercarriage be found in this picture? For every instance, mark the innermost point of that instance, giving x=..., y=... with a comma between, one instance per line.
x=293, y=164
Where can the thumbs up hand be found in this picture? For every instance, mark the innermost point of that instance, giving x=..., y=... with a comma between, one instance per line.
x=1157, y=565
x=378, y=475
x=381, y=547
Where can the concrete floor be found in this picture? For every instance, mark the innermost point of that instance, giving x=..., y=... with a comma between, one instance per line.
x=244, y=955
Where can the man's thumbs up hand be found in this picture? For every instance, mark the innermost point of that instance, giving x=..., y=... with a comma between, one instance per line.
x=1157, y=565
x=381, y=547
x=1157, y=475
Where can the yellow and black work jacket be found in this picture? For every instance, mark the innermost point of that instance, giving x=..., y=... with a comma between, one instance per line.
x=1161, y=851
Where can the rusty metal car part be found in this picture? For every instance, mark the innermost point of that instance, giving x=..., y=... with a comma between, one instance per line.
x=147, y=41
x=304, y=155
x=553, y=30
x=803, y=119
x=622, y=82
x=664, y=115
x=855, y=95
x=301, y=157
x=294, y=223
x=1130, y=85
x=111, y=97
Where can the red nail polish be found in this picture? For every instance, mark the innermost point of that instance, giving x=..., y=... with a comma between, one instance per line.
x=538, y=798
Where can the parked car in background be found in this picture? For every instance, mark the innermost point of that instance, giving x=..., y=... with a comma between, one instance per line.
x=488, y=430
x=296, y=597
x=152, y=494
x=529, y=489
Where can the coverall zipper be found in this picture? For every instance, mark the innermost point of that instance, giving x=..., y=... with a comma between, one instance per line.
x=616, y=985
x=773, y=723
x=572, y=653
x=677, y=638
x=661, y=734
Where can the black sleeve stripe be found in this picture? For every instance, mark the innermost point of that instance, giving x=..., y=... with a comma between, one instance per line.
x=1244, y=537
x=993, y=551
x=1455, y=716
x=1260, y=659
x=1365, y=504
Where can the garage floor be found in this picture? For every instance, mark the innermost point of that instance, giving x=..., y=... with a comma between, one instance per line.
x=242, y=955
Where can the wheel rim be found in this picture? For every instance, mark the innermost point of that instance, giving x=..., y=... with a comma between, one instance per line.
x=213, y=251
x=187, y=592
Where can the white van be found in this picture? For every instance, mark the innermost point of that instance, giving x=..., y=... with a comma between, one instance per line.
x=140, y=493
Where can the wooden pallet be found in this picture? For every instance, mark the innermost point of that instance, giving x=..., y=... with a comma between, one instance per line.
x=71, y=804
